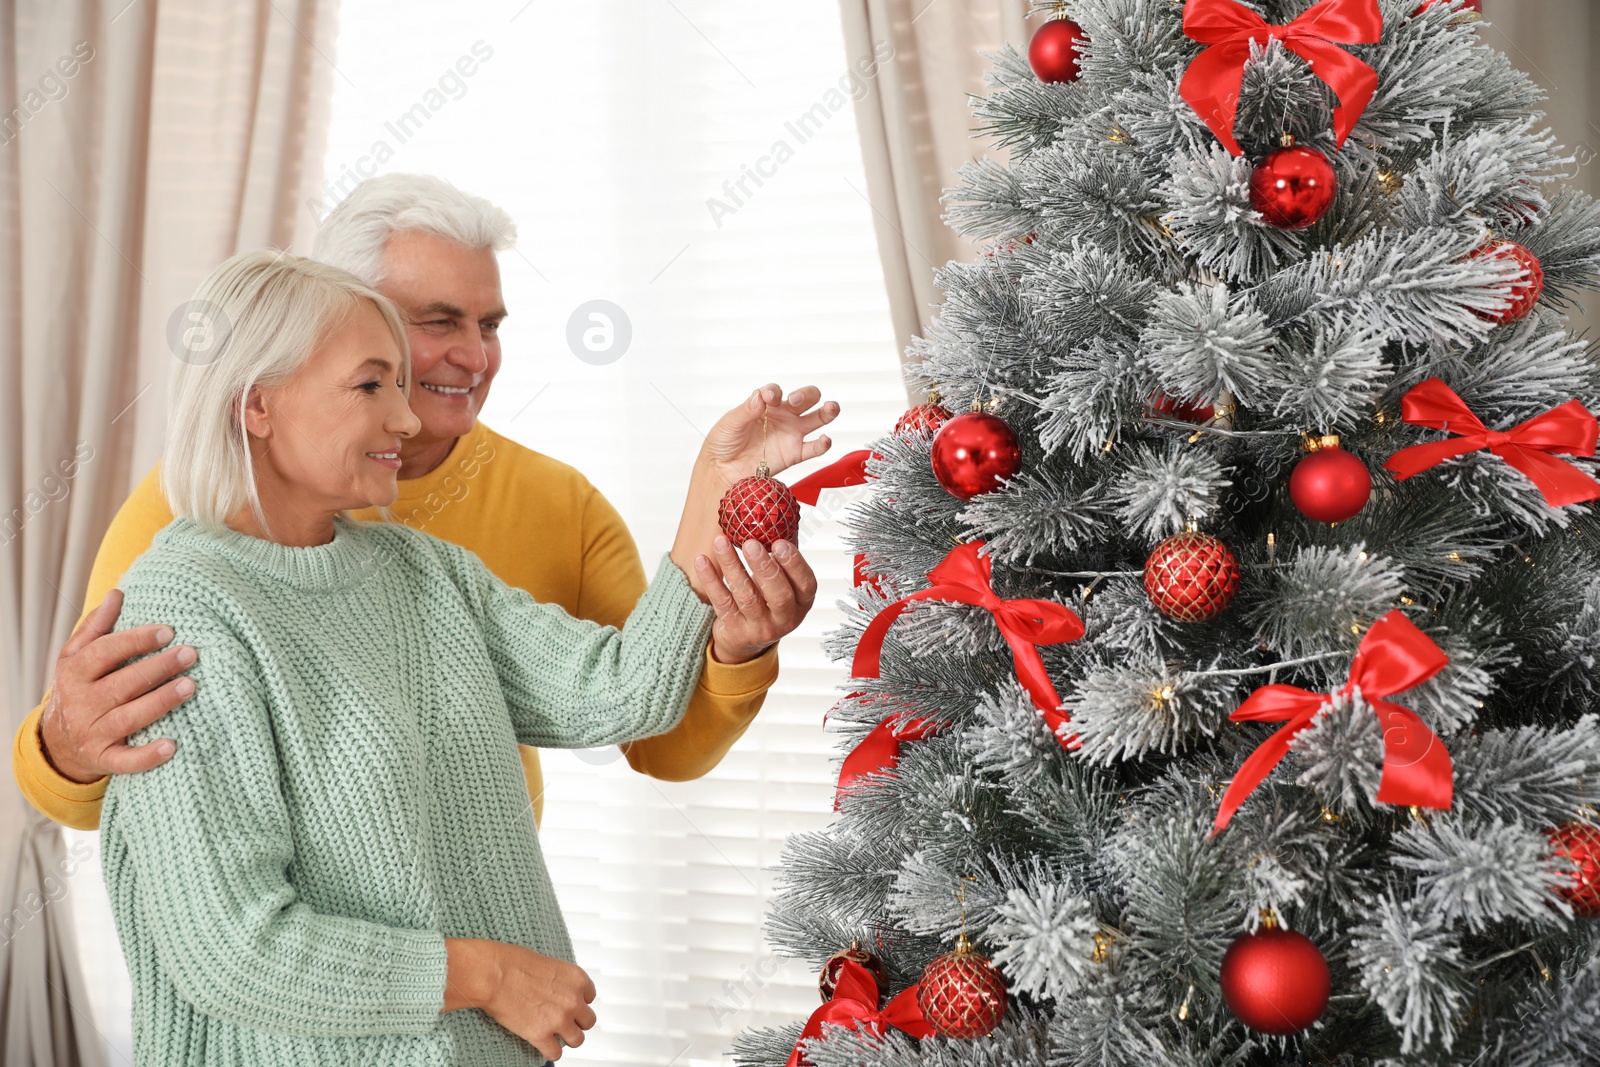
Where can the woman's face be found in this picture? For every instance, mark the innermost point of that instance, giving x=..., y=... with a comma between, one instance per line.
x=327, y=428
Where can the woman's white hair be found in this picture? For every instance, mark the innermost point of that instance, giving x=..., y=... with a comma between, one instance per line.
x=256, y=320
x=354, y=234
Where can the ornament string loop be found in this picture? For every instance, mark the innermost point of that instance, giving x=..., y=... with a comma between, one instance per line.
x=855, y=1005
x=964, y=577
x=1393, y=656
x=1211, y=84
x=1569, y=429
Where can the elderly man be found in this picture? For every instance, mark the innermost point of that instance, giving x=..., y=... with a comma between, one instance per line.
x=431, y=249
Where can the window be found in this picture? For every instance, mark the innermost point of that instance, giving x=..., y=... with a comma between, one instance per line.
x=694, y=163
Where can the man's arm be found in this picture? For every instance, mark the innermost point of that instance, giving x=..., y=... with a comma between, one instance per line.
x=728, y=695
x=68, y=745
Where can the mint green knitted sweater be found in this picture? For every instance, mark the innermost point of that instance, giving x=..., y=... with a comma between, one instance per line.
x=347, y=791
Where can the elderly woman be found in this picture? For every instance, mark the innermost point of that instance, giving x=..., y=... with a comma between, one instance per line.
x=340, y=866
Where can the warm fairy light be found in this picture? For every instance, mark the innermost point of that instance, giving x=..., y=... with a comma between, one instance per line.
x=1355, y=627
x=1363, y=557
x=1454, y=557
x=1107, y=446
x=1407, y=601
x=1329, y=815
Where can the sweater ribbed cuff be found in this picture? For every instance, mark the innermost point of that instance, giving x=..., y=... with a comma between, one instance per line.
x=740, y=680
x=73, y=804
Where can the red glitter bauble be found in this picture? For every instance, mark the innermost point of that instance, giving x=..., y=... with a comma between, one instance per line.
x=1275, y=981
x=923, y=420
x=1292, y=187
x=1330, y=485
x=1191, y=577
x=962, y=994
x=1051, y=53
x=974, y=453
x=1579, y=843
x=829, y=978
x=759, y=509
x=1522, y=294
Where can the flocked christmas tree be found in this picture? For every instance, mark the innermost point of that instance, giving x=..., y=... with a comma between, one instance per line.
x=1243, y=708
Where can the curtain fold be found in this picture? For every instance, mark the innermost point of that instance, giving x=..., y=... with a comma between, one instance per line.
x=147, y=143
x=916, y=130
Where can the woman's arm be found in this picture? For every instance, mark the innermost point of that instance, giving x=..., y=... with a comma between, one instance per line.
x=571, y=683
x=196, y=854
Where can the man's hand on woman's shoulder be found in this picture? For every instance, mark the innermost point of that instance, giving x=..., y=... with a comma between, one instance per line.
x=97, y=699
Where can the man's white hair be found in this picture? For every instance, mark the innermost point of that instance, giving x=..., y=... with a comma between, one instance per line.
x=355, y=232
x=261, y=317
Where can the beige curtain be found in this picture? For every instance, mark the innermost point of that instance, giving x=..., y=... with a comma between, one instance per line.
x=147, y=143
x=916, y=130
x=915, y=122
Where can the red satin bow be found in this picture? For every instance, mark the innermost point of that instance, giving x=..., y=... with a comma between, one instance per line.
x=964, y=578
x=1211, y=84
x=1393, y=657
x=855, y=1002
x=880, y=749
x=849, y=469
x=1569, y=428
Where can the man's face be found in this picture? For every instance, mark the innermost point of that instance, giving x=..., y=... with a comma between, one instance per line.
x=450, y=298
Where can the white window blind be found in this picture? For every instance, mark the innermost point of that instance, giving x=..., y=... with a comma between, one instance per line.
x=604, y=130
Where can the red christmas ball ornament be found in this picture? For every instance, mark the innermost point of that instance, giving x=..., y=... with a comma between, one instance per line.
x=1196, y=410
x=1052, y=54
x=1292, y=187
x=923, y=420
x=974, y=453
x=1523, y=294
x=1474, y=6
x=1579, y=843
x=1330, y=484
x=1191, y=577
x=1275, y=981
x=962, y=994
x=829, y=978
x=759, y=509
